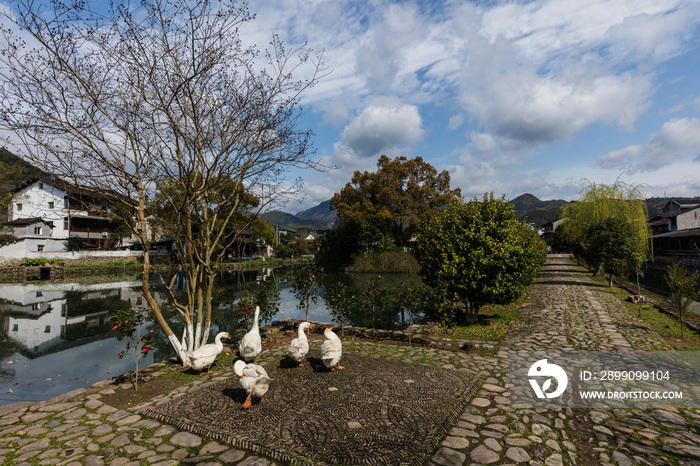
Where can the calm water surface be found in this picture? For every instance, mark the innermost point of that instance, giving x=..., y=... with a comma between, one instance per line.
x=56, y=337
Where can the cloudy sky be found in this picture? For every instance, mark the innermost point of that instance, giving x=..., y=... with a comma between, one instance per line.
x=509, y=96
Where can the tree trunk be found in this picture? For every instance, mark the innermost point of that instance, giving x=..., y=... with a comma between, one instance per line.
x=639, y=293
x=472, y=314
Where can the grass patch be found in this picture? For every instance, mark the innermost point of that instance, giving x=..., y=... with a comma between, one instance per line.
x=666, y=326
x=397, y=261
x=493, y=324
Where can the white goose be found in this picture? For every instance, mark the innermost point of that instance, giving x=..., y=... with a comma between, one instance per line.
x=251, y=343
x=298, y=347
x=253, y=379
x=331, y=350
x=205, y=355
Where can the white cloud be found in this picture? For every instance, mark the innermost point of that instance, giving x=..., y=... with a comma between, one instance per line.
x=455, y=122
x=380, y=126
x=677, y=139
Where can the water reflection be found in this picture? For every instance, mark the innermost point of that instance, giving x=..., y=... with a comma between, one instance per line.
x=55, y=337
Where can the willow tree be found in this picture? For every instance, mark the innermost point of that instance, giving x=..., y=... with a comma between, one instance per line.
x=159, y=99
x=605, y=212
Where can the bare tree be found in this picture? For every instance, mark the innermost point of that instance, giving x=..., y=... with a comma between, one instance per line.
x=159, y=99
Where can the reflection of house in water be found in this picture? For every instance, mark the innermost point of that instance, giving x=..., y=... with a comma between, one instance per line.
x=46, y=318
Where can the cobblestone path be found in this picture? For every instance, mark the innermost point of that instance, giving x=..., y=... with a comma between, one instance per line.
x=564, y=310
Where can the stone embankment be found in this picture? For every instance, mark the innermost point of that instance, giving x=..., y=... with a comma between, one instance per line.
x=564, y=310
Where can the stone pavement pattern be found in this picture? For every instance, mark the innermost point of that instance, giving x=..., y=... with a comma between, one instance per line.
x=563, y=311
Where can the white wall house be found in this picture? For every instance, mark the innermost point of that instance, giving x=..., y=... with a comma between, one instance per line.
x=68, y=210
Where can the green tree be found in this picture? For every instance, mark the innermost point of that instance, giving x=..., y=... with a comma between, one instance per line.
x=479, y=253
x=291, y=246
x=75, y=243
x=340, y=303
x=159, y=98
x=611, y=242
x=411, y=300
x=394, y=201
x=600, y=202
x=306, y=285
x=340, y=245
x=683, y=286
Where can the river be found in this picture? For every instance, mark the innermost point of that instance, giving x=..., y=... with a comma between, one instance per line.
x=56, y=337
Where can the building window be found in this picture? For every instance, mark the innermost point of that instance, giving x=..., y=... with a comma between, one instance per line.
x=65, y=202
x=15, y=327
x=41, y=185
x=19, y=207
x=63, y=309
x=39, y=294
x=51, y=205
x=37, y=230
x=35, y=306
x=65, y=224
x=39, y=247
x=47, y=329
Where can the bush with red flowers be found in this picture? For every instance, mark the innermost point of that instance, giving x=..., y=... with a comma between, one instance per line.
x=130, y=324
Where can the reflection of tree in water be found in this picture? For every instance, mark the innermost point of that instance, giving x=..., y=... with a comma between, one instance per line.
x=359, y=287
x=6, y=374
x=7, y=349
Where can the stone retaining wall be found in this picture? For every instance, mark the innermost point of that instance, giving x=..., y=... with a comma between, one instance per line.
x=97, y=268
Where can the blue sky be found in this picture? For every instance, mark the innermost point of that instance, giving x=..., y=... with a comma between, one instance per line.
x=509, y=96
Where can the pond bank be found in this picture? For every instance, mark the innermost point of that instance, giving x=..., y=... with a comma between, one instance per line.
x=17, y=274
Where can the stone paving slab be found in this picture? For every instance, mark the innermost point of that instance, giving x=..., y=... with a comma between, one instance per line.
x=373, y=411
x=564, y=310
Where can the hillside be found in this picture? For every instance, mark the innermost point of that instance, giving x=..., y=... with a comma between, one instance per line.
x=530, y=209
x=320, y=216
x=13, y=172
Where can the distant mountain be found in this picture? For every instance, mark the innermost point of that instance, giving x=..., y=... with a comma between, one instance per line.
x=321, y=216
x=530, y=209
x=282, y=219
x=317, y=218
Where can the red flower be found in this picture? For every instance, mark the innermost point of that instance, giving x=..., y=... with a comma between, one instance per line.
x=247, y=310
x=114, y=328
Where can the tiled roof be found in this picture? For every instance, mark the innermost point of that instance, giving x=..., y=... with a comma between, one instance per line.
x=25, y=221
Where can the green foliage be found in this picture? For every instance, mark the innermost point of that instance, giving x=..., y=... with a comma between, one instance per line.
x=290, y=246
x=75, y=243
x=38, y=262
x=340, y=246
x=267, y=297
x=684, y=288
x=340, y=301
x=597, y=204
x=389, y=205
x=612, y=243
x=397, y=261
x=129, y=324
x=373, y=298
x=412, y=301
x=477, y=253
x=306, y=284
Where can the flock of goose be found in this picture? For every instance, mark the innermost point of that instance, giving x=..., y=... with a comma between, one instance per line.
x=253, y=377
